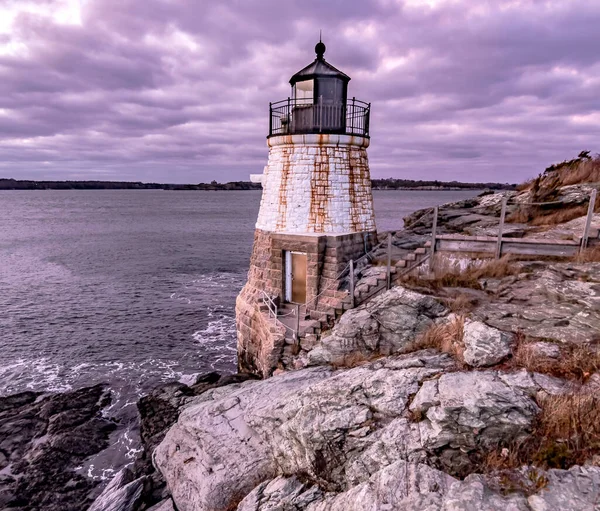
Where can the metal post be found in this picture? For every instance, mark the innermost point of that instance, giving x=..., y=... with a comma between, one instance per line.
x=588, y=221
x=352, y=302
x=270, y=118
x=500, y=229
x=433, y=237
x=297, y=321
x=389, y=261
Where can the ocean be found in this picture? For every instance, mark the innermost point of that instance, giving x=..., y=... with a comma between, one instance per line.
x=132, y=288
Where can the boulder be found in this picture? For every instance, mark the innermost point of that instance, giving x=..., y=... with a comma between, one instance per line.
x=473, y=411
x=123, y=493
x=576, y=489
x=485, y=345
x=387, y=324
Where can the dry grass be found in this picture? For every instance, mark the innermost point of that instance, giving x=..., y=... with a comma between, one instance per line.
x=566, y=433
x=589, y=255
x=587, y=171
x=461, y=304
x=449, y=274
x=355, y=359
x=445, y=337
x=527, y=185
x=576, y=362
x=558, y=216
x=520, y=216
x=536, y=216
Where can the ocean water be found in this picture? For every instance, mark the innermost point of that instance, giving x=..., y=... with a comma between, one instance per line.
x=131, y=288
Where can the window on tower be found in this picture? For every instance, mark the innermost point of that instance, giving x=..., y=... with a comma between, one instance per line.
x=304, y=91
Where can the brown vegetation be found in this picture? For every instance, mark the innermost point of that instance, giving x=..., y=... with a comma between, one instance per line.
x=589, y=255
x=355, y=359
x=445, y=337
x=576, y=361
x=586, y=171
x=537, y=216
x=567, y=432
x=461, y=304
x=546, y=187
x=449, y=274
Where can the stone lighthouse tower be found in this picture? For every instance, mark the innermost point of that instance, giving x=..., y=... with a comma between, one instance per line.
x=316, y=214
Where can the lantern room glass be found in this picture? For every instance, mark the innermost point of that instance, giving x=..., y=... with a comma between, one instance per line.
x=304, y=91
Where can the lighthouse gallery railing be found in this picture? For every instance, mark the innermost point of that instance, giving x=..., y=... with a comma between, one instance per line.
x=302, y=116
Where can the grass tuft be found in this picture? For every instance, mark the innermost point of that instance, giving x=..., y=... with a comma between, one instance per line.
x=589, y=255
x=445, y=337
x=577, y=362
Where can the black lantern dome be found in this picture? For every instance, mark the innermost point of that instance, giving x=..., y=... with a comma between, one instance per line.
x=319, y=103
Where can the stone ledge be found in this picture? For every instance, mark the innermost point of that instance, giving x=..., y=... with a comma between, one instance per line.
x=322, y=139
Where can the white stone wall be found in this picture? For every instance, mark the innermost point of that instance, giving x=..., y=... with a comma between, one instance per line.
x=317, y=184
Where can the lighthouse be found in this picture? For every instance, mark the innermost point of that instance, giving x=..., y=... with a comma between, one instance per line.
x=316, y=214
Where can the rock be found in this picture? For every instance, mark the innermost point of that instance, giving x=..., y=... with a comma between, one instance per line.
x=576, y=489
x=387, y=324
x=158, y=411
x=123, y=493
x=313, y=421
x=485, y=345
x=165, y=505
x=401, y=485
x=281, y=493
x=339, y=428
x=473, y=494
x=544, y=349
x=43, y=438
x=476, y=411
x=559, y=301
x=397, y=486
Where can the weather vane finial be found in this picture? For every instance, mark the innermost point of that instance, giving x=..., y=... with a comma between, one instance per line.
x=320, y=47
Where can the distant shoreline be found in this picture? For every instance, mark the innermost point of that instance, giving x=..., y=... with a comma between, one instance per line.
x=378, y=184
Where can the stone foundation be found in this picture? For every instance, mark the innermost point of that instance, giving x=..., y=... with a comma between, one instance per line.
x=261, y=341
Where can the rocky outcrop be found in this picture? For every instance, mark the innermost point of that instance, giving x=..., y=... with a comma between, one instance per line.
x=391, y=434
x=43, y=438
x=387, y=324
x=344, y=432
x=559, y=301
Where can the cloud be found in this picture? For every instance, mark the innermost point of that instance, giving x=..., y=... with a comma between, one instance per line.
x=166, y=90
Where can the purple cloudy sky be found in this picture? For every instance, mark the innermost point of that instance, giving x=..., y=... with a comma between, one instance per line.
x=178, y=90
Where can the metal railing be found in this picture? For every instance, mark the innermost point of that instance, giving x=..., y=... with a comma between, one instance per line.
x=302, y=116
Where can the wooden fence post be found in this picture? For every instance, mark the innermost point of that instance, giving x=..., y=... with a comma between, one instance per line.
x=352, y=302
x=433, y=236
x=500, y=229
x=588, y=221
x=389, y=261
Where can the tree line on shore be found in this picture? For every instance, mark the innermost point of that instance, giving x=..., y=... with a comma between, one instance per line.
x=378, y=184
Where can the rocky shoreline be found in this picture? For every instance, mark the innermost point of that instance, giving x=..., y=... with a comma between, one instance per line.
x=456, y=394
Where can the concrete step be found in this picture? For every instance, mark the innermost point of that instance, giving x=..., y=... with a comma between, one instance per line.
x=420, y=251
x=428, y=244
x=401, y=264
x=410, y=257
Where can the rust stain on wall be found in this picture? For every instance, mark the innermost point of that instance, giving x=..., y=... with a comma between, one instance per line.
x=283, y=190
x=354, y=182
x=320, y=190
